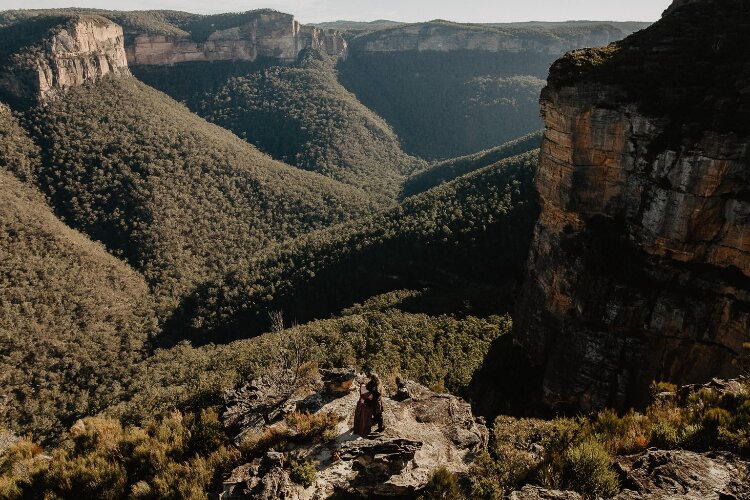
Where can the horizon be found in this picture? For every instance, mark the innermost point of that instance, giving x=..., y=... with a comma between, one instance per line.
x=321, y=11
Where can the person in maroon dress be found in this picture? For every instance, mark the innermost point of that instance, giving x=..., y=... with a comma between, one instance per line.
x=369, y=409
x=363, y=413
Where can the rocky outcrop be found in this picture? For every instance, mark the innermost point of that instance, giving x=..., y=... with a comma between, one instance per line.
x=270, y=34
x=444, y=36
x=640, y=264
x=659, y=474
x=83, y=49
x=424, y=431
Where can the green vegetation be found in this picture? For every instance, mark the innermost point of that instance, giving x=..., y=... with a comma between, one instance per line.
x=182, y=200
x=439, y=238
x=74, y=319
x=172, y=454
x=101, y=459
x=153, y=21
x=436, y=350
x=295, y=429
x=443, y=485
x=446, y=171
x=18, y=152
x=304, y=473
x=303, y=116
x=577, y=453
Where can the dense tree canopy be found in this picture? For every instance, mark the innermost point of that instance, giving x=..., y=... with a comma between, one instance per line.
x=179, y=198
x=303, y=116
x=475, y=229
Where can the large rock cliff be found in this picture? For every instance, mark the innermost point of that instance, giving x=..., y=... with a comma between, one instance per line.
x=640, y=263
x=443, y=36
x=78, y=50
x=269, y=34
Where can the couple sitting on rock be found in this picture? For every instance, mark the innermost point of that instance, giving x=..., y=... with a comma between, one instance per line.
x=369, y=407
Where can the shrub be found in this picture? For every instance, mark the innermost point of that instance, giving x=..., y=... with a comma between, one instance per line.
x=664, y=435
x=304, y=473
x=659, y=387
x=317, y=428
x=486, y=478
x=207, y=433
x=101, y=459
x=586, y=468
x=627, y=434
x=441, y=486
x=276, y=437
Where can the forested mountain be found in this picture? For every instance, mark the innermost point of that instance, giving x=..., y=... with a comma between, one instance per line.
x=441, y=238
x=178, y=198
x=323, y=204
x=303, y=116
x=74, y=318
x=451, y=89
x=447, y=170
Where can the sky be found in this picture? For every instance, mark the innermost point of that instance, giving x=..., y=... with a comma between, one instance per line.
x=312, y=11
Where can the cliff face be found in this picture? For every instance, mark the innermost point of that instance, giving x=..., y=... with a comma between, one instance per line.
x=83, y=49
x=443, y=37
x=270, y=34
x=640, y=263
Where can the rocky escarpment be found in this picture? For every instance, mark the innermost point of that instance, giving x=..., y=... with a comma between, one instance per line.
x=640, y=263
x=657, y=474
x=424, y=431
x=444, y=36
x=269, y=34
x=77, y=50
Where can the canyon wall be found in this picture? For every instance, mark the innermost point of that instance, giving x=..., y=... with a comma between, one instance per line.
x=84, y=49
x=640, y=263
x=270, y=34
x=444, y=37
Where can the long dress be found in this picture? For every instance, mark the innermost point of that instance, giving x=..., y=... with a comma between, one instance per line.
x=362, y=414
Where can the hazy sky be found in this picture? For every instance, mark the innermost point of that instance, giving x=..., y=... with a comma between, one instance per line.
x=309, y=11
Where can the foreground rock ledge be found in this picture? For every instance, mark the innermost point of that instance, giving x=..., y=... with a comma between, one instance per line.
x=424, y=431
x=659, y=475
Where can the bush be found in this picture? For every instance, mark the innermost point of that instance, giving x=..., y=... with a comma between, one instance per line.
x=441, y=486
x=586, y=468
x=622, y=435
x=317, y=428
x=486, y=478
x=304, y=473
x=257, y=443
x=660, y=387
x=101, y=459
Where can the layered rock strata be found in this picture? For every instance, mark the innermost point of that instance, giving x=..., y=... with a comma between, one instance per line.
x=84, y=49
x=640, y=264
x=271, y=34
x=444, y=37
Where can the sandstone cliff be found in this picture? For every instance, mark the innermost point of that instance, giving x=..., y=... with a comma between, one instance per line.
x=80, y=49
x=269, y=34
x=444, y=36
x=640, y=263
